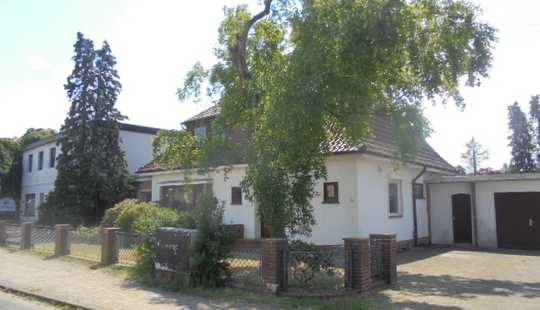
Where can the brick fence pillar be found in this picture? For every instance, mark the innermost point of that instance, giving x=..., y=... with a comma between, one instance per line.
x=357, y=264
x=26, y=236
x=109, y=246
x=274, y=264
x=3, y=233
x=62, y=243
x=389, y=256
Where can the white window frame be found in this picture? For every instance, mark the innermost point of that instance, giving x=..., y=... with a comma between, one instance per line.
x=400, y=198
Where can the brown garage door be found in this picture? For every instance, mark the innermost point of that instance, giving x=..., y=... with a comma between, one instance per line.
x=518, y=220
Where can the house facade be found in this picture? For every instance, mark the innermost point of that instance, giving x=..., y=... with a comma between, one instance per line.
x=40, y=159
x=367, y=190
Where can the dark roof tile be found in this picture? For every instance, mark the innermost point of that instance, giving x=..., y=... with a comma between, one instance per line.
x=380, y=143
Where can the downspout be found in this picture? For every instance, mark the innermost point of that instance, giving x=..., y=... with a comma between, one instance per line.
x=475, y=219
x=415, y=218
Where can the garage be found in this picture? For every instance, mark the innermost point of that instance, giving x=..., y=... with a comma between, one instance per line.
x=518, y=216
x=488, y=211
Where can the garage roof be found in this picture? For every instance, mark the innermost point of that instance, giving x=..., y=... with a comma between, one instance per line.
x=485, y=178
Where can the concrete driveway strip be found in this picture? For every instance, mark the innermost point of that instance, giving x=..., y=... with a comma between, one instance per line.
x=442, y=278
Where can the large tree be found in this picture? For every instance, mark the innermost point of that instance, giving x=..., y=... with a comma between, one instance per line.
x=521, y=140
x=92, y=173
x=295, y=69
x=534, y=111
x=474, y=155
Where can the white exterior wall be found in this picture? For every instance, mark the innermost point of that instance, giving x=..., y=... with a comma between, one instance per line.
x=137, y=148
x=38, y=181
x=221, y=186
x=362, y=208
x=372, y=191
x=441, y=210
x=337, y=221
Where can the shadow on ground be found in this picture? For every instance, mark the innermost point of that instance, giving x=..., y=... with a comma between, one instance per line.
x=463, y=288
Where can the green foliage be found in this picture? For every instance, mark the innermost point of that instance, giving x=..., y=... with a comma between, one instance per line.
x=147, y=226
x=212, y=245
x=133, y=213
x=177, y=149
x=112, y=214
x=521, y=140
x=332, y=65
x=306, y=260
x=92, y=173
x=474, y=155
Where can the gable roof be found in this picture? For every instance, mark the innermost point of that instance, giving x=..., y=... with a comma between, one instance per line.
x=123, y=126
x=208, y=113
x=381, y=143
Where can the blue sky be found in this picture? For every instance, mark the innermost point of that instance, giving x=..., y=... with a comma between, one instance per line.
x=156, y=42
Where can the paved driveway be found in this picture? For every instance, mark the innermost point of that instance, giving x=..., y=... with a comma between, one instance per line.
x=451, y=279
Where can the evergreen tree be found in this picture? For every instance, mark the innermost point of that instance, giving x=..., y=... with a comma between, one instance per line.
x=474, y=155
x=520, y=140
x=534, y=110
x=92, y=173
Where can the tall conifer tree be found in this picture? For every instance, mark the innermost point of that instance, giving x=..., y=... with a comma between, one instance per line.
x=534, y=110
x=92, y=172
x=520, y=140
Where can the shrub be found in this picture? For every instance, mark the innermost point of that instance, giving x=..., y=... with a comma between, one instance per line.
x=212, y=245
x=133, y=212
x=146, y=226
x=112, y=214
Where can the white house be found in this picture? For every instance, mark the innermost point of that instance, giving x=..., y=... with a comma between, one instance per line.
x=39, y=164
x=366, y=191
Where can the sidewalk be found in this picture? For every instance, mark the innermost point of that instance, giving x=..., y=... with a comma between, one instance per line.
x=76, y=283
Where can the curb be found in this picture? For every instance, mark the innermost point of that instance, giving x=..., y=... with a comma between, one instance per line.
x=42, y=298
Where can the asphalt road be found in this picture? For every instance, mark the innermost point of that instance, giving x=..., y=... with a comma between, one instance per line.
x=11, y=302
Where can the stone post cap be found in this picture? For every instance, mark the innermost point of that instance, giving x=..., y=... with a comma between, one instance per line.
x=384, y=235
x=355, y=239
x=111, y=229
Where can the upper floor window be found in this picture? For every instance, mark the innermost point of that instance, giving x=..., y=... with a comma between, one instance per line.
x=419, y=191
x=30, y=162
x=52, y=157
x=236, y=195
x=200, y=132
x=331, y=192
x=40, y=161
x=394, y=198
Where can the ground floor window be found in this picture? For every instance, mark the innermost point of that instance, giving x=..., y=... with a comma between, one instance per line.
x=236, y=195
x=29, y=205
x=330, y=192
x=181, y=196
x=394, y=198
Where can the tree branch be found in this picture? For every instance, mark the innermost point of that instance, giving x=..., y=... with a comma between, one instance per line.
x=239, y=50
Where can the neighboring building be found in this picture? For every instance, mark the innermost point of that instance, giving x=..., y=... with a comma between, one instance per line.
x=367, y=190
x=40, y=159
x=491, y=211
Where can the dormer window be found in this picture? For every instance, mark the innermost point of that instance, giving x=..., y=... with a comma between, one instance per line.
x=200, y=132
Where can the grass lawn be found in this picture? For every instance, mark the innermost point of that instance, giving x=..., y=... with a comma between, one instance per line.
x=87, y=251
x=240, y=296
